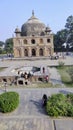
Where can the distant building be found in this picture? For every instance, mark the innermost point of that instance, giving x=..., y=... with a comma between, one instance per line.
x=33, y=40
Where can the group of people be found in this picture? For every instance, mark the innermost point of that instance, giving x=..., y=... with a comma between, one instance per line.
x=25, y=75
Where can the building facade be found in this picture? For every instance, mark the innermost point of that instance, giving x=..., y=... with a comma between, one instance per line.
x=33, y=40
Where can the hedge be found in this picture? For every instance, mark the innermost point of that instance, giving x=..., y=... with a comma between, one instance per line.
x=60, y=105
x=9, y=101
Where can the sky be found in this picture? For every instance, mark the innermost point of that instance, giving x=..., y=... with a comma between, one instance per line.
x=14, y=13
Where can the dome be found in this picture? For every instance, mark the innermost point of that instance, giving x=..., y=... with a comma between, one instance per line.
x=33, y=27
x=17, y=30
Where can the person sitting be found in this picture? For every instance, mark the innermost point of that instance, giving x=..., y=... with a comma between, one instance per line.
x=29, y=75
x=22, y=75
x=47, y=78
x=26, y=75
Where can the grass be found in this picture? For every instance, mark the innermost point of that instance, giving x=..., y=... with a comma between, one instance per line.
x=65, y=76
x=44, y=85
x=2, y=68
x=32, y=85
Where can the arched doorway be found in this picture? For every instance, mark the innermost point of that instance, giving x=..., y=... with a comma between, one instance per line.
x=26, y=52
x=18, y=52
x=41, y=52
x=33, y=52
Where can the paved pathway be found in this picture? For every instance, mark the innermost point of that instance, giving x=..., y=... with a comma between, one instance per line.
x=30, y=115
x=40, y=62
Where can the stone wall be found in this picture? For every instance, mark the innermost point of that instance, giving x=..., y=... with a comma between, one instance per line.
x=33, y=46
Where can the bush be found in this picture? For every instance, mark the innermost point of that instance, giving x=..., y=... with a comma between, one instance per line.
x=60, y=105
x=9, y=101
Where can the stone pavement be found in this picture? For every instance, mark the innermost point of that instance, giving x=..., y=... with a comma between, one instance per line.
x=46, y=62
x=30, y=115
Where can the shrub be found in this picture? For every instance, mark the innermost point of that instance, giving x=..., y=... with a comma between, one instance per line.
x=9, y=101
x=60, y=105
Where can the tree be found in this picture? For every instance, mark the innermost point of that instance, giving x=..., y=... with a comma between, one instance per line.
x=65, y=36
x=9, y=45
x=2, y=47
x=69, y=24
x=1, y=43
x=69, y=28
x=59, y=40
x=0, y=51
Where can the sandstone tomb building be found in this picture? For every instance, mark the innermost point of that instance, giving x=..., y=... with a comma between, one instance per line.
x=33, y=40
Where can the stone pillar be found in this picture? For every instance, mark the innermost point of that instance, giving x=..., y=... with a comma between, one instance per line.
x=52, y=51
x=52, y=45
x=22, y=52
x=29, y=51
x=45, y=51
x=37, y=51
x=14, y=50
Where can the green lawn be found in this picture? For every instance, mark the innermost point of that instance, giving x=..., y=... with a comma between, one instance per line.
x=2, y=68
x=65, y=76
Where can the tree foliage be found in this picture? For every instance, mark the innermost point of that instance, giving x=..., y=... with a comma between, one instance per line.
x=9, y=45
x=1, y=47
x=59, y=40
x=1, y=43
x=69, y=28
x=69, y=24
x=65, y=36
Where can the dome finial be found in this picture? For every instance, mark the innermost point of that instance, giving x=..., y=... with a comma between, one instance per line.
x=32, y=12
